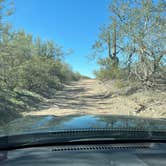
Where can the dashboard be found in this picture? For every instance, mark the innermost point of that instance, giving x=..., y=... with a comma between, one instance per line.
x=134, y=154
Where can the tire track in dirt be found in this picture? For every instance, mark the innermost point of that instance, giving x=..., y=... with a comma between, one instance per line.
x=89, y=96
x=82, y=97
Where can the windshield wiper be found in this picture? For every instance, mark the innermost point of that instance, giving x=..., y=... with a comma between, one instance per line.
x=78, y=135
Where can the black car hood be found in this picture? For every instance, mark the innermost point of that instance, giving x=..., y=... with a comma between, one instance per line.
x=53, y=123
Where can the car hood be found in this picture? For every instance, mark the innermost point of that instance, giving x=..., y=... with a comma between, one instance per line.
x=54, y=123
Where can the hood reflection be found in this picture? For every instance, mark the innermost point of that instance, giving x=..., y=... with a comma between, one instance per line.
x=49, y=123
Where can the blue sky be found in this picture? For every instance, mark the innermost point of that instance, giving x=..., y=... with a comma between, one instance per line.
x=71, y=23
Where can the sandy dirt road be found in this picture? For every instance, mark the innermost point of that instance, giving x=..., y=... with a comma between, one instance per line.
x=82, y=97
x=88, y=97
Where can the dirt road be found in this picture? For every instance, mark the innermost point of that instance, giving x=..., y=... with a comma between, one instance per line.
x=84, y=96
x=89, y=97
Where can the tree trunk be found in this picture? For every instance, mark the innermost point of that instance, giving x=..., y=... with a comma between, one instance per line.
x=115, y=59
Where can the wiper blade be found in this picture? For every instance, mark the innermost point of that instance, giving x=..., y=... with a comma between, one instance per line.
x=77, y=135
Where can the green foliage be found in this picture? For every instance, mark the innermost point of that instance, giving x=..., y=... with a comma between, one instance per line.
x=77, y=76
x=28, y=64
x=32, y=64
x=35, y=66
x=108, y=71
x=106, y=74
x=140, y=41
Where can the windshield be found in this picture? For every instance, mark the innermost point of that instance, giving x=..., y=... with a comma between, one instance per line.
x=82, y=64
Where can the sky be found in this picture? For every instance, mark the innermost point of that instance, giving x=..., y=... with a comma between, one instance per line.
x=74, y=24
